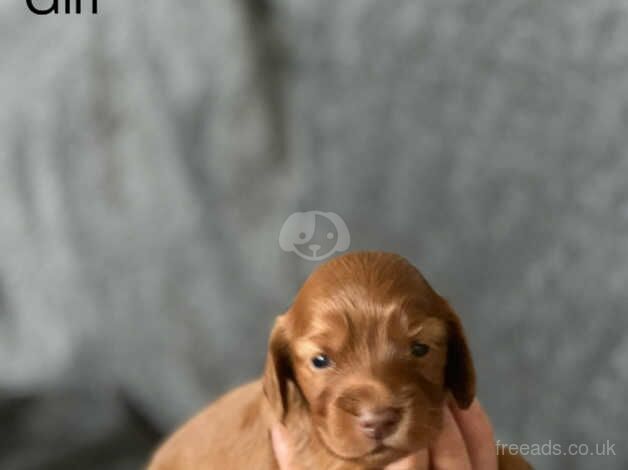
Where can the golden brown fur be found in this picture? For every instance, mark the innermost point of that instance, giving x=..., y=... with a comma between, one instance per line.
x=378, y=397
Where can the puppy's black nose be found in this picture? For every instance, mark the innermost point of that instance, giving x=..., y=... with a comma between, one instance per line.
x=378, y=424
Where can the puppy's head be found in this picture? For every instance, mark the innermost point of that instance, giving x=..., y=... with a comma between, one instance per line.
x=372, y=352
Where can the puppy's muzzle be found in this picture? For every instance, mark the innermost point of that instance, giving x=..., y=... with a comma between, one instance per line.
x=380, y=423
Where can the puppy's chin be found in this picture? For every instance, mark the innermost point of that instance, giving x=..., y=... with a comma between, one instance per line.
x=381, y=456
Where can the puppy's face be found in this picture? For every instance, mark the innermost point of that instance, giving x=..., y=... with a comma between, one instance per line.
x=373, y=351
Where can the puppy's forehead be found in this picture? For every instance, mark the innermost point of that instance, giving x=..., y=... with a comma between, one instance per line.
x=354, y=307
x=341, y=323
x=365, y=281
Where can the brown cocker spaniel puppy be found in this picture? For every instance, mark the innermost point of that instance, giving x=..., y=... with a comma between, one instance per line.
x=358, y=369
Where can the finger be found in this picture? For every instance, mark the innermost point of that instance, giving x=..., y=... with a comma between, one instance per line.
x=281, y=447
x=417, y=461
x=448, y=452
x=477, y=433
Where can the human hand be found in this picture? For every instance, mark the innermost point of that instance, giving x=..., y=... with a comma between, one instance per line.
x=466, y=442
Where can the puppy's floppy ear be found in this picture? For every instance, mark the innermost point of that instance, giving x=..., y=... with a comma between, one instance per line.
x=459, y=371
x=278, y=370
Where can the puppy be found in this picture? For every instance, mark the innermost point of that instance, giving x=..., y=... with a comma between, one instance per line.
x=358, y=369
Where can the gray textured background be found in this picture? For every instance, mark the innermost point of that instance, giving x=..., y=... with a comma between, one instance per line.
x=149, y=155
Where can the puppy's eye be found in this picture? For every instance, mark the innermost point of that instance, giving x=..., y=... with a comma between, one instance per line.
x=419, y=349
x=321, y=361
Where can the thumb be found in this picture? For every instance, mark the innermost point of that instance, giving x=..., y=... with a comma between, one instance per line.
x=282, y=447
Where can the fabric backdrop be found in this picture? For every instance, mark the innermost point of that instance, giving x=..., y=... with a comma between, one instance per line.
x=150, y=154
